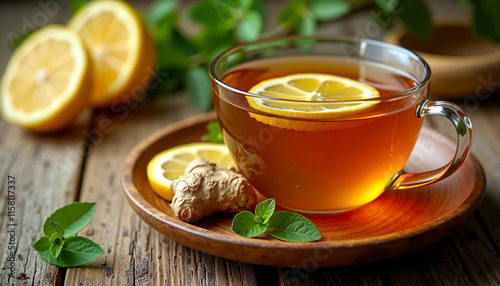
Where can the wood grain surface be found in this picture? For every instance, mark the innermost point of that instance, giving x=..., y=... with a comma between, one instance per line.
x=56, y=169
x=396, y=223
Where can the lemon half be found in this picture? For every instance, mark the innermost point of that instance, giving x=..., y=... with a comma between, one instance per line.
x=123, y=55
x=47, y=80
x=169, y=165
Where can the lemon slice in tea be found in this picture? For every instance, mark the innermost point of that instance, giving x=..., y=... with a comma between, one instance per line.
x=309, y=96
x=169, y=165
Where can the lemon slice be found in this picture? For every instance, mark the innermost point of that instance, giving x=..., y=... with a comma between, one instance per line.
x=170, y=164
x=122, y=53
x=47, y=80
x=309, y=96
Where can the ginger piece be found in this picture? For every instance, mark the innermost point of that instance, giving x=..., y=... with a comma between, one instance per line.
x=205, y=189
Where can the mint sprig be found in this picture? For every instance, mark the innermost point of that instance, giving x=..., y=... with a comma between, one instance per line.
x=214, y=134
x=60, y=246
x=287, y=226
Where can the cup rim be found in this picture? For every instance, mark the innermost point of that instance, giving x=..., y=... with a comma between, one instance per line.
x=352, y=40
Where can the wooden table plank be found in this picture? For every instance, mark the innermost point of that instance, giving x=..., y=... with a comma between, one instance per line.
x=486, y=146
x=46, y=168
x=366, y=274
x=134, y=252
x=47, y=172
x=485, y=117
x=47, y=175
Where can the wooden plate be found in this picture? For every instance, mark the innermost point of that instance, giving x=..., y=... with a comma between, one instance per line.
x=396, y=223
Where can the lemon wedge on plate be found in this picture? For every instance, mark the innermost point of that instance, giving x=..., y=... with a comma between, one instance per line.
x=309, y=96
x=47, y=80
x=169, y=165
x=122, y=53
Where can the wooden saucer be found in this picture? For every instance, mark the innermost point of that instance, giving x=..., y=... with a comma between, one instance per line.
x=396, y=223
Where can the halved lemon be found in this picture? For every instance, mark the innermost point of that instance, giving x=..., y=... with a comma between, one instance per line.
x=47, y=80
x=122, y=53
x=169, y=165
x=309, y=96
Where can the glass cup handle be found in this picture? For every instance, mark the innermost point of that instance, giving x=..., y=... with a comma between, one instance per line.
x=463, y=126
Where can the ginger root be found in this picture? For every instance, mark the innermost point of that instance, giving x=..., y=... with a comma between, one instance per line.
x=205, y=189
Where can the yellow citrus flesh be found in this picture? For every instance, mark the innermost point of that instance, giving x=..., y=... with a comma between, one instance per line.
x=122, y=53
x=309, y=96
x=169, y=165
x=47, y=80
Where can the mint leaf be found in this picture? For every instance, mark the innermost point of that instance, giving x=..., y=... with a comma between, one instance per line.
x=287, y=226
x=416, y=16
x=59, y=246
x=160, y=9
x=56, y=245
x=75, y=251
x=291, y=226
x=250, y=26
x=210, y=13
x=18, y=39
x=245, y=224
x=289, y=18
x=199, y=88
x=52, y=229
x=214, y=134
x=264, y=211
x=387, y=5
x=73, y=217
x=43, y=244
x=307, y=26
x=486, y=20
x=328, y=10
x=75, y=5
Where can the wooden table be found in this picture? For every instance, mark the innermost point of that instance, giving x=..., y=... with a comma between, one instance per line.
x=85, y=164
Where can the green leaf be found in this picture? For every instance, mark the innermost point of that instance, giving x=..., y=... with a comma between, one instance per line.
x=212, y=40
x=307, y=25
x=210, y=13
x=52, y=229
x=73, y=217
x=289, y=18
x=199, y=88
x=242, y=4
x=250, y=26
x=416, y=16
x=172, y=55
x=387, y=5
x=462, y=4
x=261, y=8
x=75, y=251
x=297, y=3
x=486, y=19
x=163, y=30
x=56, y=246
x=75, y=5
x=214, y=134
x=43, y=244
x=168, y=79
x=328, y=10
x=244, y=224
x=291, y=226
x=17, y=40
x=264, y=211
x=160, y=9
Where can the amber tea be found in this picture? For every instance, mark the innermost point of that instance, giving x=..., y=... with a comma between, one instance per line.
x=319, y=154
